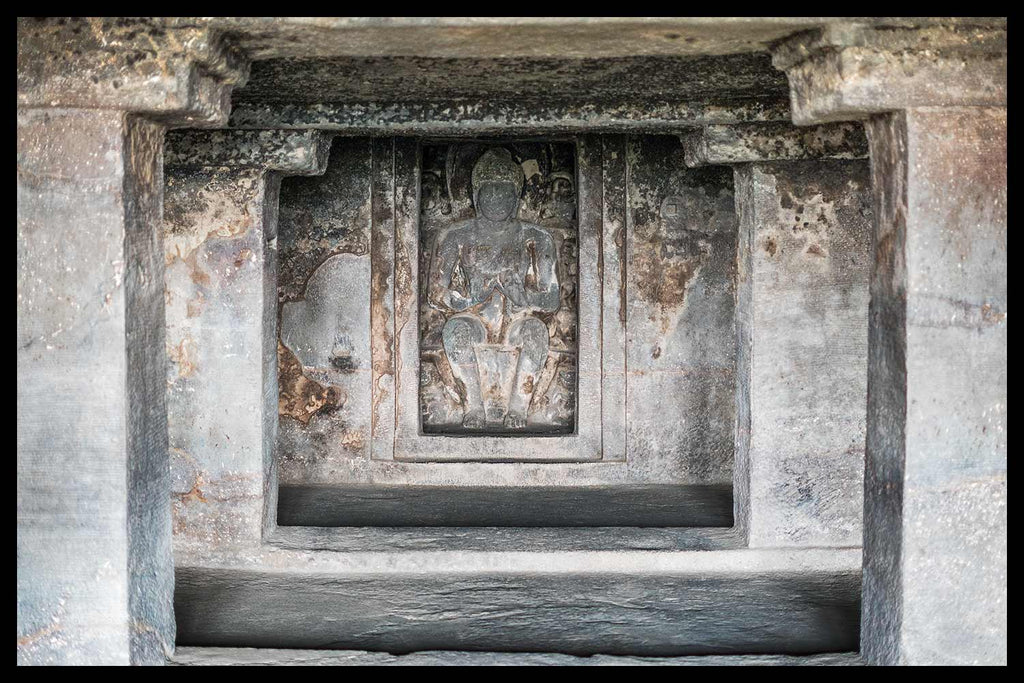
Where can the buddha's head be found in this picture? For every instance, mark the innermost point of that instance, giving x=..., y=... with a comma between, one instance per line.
x=497, y=183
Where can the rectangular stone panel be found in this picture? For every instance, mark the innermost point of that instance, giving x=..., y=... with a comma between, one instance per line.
x=679, y=313
x=805, y=246
x=498, y=242
x=323, y=289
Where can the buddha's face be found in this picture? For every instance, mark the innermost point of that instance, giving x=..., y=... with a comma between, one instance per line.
x=497, y=201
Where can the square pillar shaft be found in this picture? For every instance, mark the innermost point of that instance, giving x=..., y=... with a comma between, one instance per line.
x=220, y=243
x=95, y=573
x=935, y=485
x=95, y=576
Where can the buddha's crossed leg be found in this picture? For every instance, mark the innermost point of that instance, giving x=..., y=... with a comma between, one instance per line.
x=531, y=336
x=460, y=335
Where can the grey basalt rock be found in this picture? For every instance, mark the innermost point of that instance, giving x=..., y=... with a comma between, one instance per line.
x=180, y=75
x=747, y=347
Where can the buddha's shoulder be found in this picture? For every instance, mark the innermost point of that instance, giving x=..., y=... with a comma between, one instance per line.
x=535, y=231
x=456, y=230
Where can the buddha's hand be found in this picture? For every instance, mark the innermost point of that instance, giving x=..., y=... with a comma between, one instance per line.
x=513, y=288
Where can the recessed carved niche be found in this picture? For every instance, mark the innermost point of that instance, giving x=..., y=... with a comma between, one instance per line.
x=564, y=305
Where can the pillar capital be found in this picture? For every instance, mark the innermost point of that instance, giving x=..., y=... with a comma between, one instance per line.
x=172, y=72
x=292, y=152
x=851, y=71
x=773, y=141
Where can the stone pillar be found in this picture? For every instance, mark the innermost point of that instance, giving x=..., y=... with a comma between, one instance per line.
x=95, y=575
x=803, y=201
x=220, y=246
x=935, y=477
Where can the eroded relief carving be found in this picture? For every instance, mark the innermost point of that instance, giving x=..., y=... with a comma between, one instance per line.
x=498, y=303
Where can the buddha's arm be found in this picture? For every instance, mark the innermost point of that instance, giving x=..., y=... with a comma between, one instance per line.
x=544, y=295
x=441, y=292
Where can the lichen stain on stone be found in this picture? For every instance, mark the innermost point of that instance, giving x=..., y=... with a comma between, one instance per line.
x=189, y=204
x=194, y=307
x=812, y=219
x=354, y=439
x=299, y=397
x=662, y=273
x=184, y=355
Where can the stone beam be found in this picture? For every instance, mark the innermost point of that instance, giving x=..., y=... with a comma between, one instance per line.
x=848, y=71
x=220, y=245
x=227, y=656
x=95, y=574
x=935, y=476
x=773, y=141
x=459, y=37
x=804, y=206
x=470, y=117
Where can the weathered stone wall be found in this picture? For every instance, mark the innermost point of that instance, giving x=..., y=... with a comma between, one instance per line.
x=805, y=245
x=220, y=237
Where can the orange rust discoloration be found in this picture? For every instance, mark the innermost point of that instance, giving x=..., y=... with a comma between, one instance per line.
x=354, y=439
x=242, y=256
x=662, y=271
x=194, y=307
x=299, y=397
x=991, y=315
x=31, y=638
x=184, y=356
x=195, y=494
x=663, y=281
x=195, y=273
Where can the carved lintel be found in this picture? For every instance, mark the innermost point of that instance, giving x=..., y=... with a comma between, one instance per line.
x=292, y=152
x=177, y=74
x=773, y=141
x=462, y=116
x=846, y=72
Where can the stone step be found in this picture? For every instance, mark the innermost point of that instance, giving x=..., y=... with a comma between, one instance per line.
x=746, y=601
x=227, y=656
